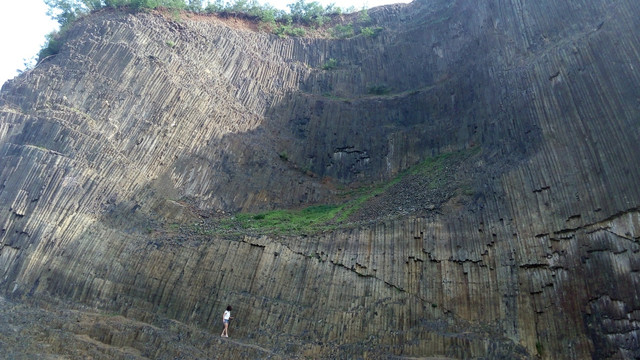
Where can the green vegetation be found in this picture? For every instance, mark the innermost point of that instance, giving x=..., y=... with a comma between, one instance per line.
x=380, y=89
x=289, y=220
x=52, y=46
x=67, y=11
x=370, y=31
x=437, y=164
x=346, y=31
x=330, y=64
x=289, y=30
x=302, y=14
x=175, y=15
x=311, y=14
x=327, y=217
x=467, y=190
x=342, y=31
x=364, y=16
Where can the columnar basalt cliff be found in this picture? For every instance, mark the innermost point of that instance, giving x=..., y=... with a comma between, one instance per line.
x=523, y=244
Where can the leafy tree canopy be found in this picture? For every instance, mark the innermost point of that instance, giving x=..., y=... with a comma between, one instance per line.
x=307, y=13
x=278, y=21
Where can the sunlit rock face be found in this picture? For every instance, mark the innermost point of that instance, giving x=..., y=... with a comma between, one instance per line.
x=527, y=248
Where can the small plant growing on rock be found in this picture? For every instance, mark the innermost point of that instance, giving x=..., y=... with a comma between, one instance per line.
x=540, y=349
x=289, y=30
x=370, y=31
x=380, y=89
x=330, y=64
x=364, y=16
x=52, y=46
x=342, y=31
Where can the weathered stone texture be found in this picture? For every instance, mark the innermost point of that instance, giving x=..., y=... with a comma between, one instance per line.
x=142, y=121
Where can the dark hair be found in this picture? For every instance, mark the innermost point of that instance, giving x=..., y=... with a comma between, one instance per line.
x=229, y=308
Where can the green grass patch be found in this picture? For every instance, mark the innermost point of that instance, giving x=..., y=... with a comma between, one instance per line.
x=287, y=221
x=438, y=163
x=326, y=217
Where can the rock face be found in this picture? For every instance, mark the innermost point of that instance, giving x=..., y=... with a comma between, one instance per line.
x=143, y=121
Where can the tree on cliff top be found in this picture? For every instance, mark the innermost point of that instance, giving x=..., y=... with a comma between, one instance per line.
x=311, y=13
x=66, y=11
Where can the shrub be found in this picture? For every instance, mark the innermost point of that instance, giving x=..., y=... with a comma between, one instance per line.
x=64, y=11
x=332, y=9
x=116, y=3
x=297, y=31
x=152, y=4
x=267, y=15
x=370, y=31
x=170, y=4
x=342, y=31
x=240, y=6
x=52, y=45
x=312, y=13
x=330, y=65
x=380, y=89
x=215, y=7
x=271, y=19
x=143, y=4
x=364, y=16
x=289, y=30
x=195, y=6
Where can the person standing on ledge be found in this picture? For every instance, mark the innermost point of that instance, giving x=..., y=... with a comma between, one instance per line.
x=225, y=320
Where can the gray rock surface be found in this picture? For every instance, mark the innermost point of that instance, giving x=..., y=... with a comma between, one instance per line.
x=523, y=245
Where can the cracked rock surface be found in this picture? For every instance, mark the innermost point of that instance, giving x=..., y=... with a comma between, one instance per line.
x=519, y=240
